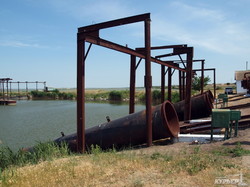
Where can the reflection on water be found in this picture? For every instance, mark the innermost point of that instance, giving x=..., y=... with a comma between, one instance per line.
x=32, y=121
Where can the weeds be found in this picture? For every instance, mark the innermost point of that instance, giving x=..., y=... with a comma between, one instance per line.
x=6, y=157
x=156, y=156
x=95, y=150
x=237, y=151
x=108, y=165
x=41, y=152
x=199, y=161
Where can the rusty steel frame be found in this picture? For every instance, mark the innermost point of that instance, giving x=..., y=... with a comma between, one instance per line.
x=185, y=89
x=214, y=75
x=26, y=83
x=5, y=81
x=91, y=34
x=182, y=76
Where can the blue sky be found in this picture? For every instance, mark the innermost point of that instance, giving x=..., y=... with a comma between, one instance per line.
x=38, y=38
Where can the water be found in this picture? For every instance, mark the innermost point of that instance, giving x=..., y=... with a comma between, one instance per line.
x=30, y=122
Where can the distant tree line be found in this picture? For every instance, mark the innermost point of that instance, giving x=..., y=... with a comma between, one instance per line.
x=54, y=94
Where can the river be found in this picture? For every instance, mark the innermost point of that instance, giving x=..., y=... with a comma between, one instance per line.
x=33, y=121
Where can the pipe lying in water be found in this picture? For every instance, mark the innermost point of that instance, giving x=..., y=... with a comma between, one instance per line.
x=201, y=106
x=130, y=130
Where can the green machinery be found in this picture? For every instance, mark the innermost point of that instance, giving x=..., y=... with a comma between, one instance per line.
x=225, y=118
x=224, y=99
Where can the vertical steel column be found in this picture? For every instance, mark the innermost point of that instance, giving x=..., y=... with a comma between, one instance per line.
x=3, y=91
x=162, y=83
x=7, y=87
x=214, y=85
x=187, y=111
x=148, y=82
x=44, y=85
x=10, y=90
x=183, y=85
x=169, y=84
x=202, y=76
x=80, y=94
x=36, y=85
x=26, y=87
x=1, y=85
x=180, y=85
x=132, y=84
x=18, y=90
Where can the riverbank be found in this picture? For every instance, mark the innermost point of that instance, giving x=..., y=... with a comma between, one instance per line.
x=179, y=164
x=101, y=95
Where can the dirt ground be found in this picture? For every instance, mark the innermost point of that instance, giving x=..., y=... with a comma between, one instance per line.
x=243, y=136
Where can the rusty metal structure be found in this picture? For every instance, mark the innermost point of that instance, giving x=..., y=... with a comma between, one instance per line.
x=6, y=87
x=130, y=130
x=185, y=73
x=26, y=85
x=202, y=78
x=5, y=96
x=4, y=82
x=91, y=34
x=201, y=106
x=245, y=83
x=115, y=133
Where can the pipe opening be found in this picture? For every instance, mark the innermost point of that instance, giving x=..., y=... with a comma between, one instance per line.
x=170, y=118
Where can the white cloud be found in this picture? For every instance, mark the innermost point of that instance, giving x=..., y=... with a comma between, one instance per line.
x=198, y=12
x=20, y=44
x=95, y=11
x=202, y=27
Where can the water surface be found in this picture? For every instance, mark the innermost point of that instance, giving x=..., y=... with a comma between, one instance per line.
x=31, y=121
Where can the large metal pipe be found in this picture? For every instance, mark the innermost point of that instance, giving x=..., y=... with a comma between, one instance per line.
x=210, y=95
x=130, y=130
x=201, y=106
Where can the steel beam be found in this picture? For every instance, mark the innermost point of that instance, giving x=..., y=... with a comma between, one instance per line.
x=7, y=88
x=81, y=96
x=170, y=84
x=132, y=84
x=202, y=76
x=148, y=82
x=124, y=49
x=176, y=51
x=214, y=83
x=189, y=51
x=206, y=69
x=18, y=88
x=183, y=85
x=27, y=87
x=180, y=61
x=180, y=85
x=113, y=46
x=162, y=83
x=114, y=23
x=163, y=47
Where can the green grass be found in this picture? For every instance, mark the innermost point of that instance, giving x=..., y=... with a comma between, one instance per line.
x=9, y=160
x=110, y=167
x=103, y=95
x=40, y=152
x=54, y=94
x=237, y=151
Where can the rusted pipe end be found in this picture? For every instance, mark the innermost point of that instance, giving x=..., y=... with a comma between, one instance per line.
x=246, y=74
x=210, y=95
x=209, y=103
x=170, y=118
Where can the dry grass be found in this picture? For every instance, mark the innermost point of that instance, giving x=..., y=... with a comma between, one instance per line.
x=129, y=168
